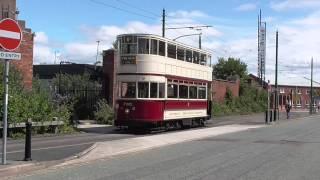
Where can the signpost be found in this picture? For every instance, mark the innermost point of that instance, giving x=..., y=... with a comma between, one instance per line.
x=10, y=39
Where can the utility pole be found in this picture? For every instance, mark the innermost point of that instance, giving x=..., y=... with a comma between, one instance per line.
x=95, y=64
x=311, y=88
x=200, y=40
x=163, y=22
x=276, y=83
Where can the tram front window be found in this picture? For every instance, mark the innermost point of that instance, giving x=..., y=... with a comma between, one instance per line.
x=153, y=90
x=143, y=89
x=128, y=89
x=193, y=92
x=161, y=90
x=128, y=45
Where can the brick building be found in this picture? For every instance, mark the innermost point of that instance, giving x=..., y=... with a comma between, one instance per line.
x=299, y=95
x=8, y=9
x=220, y=87
x=109, y=84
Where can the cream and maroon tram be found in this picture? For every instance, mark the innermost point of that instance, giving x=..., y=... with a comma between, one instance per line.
x=161, y=83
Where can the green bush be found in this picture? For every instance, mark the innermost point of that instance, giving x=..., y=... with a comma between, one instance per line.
x=104, y=113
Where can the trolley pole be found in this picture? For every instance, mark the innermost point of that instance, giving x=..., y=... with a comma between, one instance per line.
x=5, y=112
x=311, y=88
x=163, y=22
x=276, y=83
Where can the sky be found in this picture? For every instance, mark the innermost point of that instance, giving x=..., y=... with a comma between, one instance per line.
x=69, y=29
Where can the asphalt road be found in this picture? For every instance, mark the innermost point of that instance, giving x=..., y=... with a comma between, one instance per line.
x=64, y=146
x=288, y=150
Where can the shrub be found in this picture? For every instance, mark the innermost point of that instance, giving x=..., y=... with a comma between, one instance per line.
x=104, y=113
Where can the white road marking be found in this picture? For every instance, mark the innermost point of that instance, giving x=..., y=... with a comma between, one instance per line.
x=52, y=147
x=9, y=34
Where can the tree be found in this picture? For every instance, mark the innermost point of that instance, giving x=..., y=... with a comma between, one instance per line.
x=230, y=67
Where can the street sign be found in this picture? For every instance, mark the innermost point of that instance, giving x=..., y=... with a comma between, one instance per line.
x=10, y=34
x=10, y=55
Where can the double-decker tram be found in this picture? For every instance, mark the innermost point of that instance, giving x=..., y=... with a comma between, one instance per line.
x=161, y=83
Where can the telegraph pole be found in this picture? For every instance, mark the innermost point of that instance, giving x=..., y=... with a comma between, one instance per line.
x=311, y=88
x=276, y=83
x=163, y=22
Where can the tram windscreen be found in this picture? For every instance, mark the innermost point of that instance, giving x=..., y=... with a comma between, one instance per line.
x=202, y=92
x=143, y=89
x=172, y=91
x=128, y=89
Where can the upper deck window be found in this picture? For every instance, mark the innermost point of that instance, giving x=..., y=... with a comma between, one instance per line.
x=203, y=60
x=143, y=45
x=128, y=45
x=188, y=55
x=154, y=46
x=196, y=58
x=172, y=52
x=162, y=48
x=180, y=53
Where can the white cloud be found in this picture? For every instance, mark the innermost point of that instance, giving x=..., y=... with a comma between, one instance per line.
x=294, y=4
x=247, y=7
x=41, y=38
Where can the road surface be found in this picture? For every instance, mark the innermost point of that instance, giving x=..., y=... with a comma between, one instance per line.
x=288, y=150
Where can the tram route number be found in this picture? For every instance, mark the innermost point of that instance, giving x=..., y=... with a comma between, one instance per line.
x=128, y=59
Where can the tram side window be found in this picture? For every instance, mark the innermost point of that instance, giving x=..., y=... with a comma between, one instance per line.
x=180, y=53
x=154, y=46
x=193, y=92
x=153, y=90
x=202, y=92
x=128, y=89
x=203, y=60
x=183, y=91
x=162, y=48
x=172, y=52
x=161, y=90
x=188, y=56
x=196, y=58
x=143, y=90
x=172, y=90
x=143, y=45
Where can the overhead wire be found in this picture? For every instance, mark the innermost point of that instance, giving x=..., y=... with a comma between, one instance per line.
x=138, y=8
x=122, y=9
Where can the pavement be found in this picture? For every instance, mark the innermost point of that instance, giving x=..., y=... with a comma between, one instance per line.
x=57, y=149
x=286, y=150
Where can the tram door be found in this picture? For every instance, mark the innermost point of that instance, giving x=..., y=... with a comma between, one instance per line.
x=209, y=100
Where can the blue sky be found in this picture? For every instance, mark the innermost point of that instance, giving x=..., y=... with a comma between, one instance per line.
x=72, y=27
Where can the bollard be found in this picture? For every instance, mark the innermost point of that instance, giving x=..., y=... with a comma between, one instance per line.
x=275, y=116
x=27, y=150
x=271, y=113
x=266, y=118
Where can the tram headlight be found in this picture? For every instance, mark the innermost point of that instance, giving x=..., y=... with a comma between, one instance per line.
x=126, y=111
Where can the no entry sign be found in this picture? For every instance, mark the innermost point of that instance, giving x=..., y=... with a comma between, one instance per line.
x=10, y=34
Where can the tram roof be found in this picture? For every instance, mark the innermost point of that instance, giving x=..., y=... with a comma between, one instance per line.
x=167, y=40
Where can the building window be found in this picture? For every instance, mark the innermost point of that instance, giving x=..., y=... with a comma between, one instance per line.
x=298, y=102
x=143, y=45
x=307, y=103
x=202, y=92
x=193, y=92
x=143, y=90
x=188, y=55
x=162, y=48
x=161, y=90
x=196, y=58
x=180, y=54
x=153, y=90
x=154, y=47
x=308, y=92
x=183, y=91
x=172, y=52
x=172, y=90
x=128, y=89
x=298, y=91
x=282, y=91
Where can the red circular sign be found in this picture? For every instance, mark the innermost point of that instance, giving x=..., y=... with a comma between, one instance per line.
x=10, y=34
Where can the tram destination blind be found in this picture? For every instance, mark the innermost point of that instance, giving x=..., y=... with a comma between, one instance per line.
x=128, y=59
